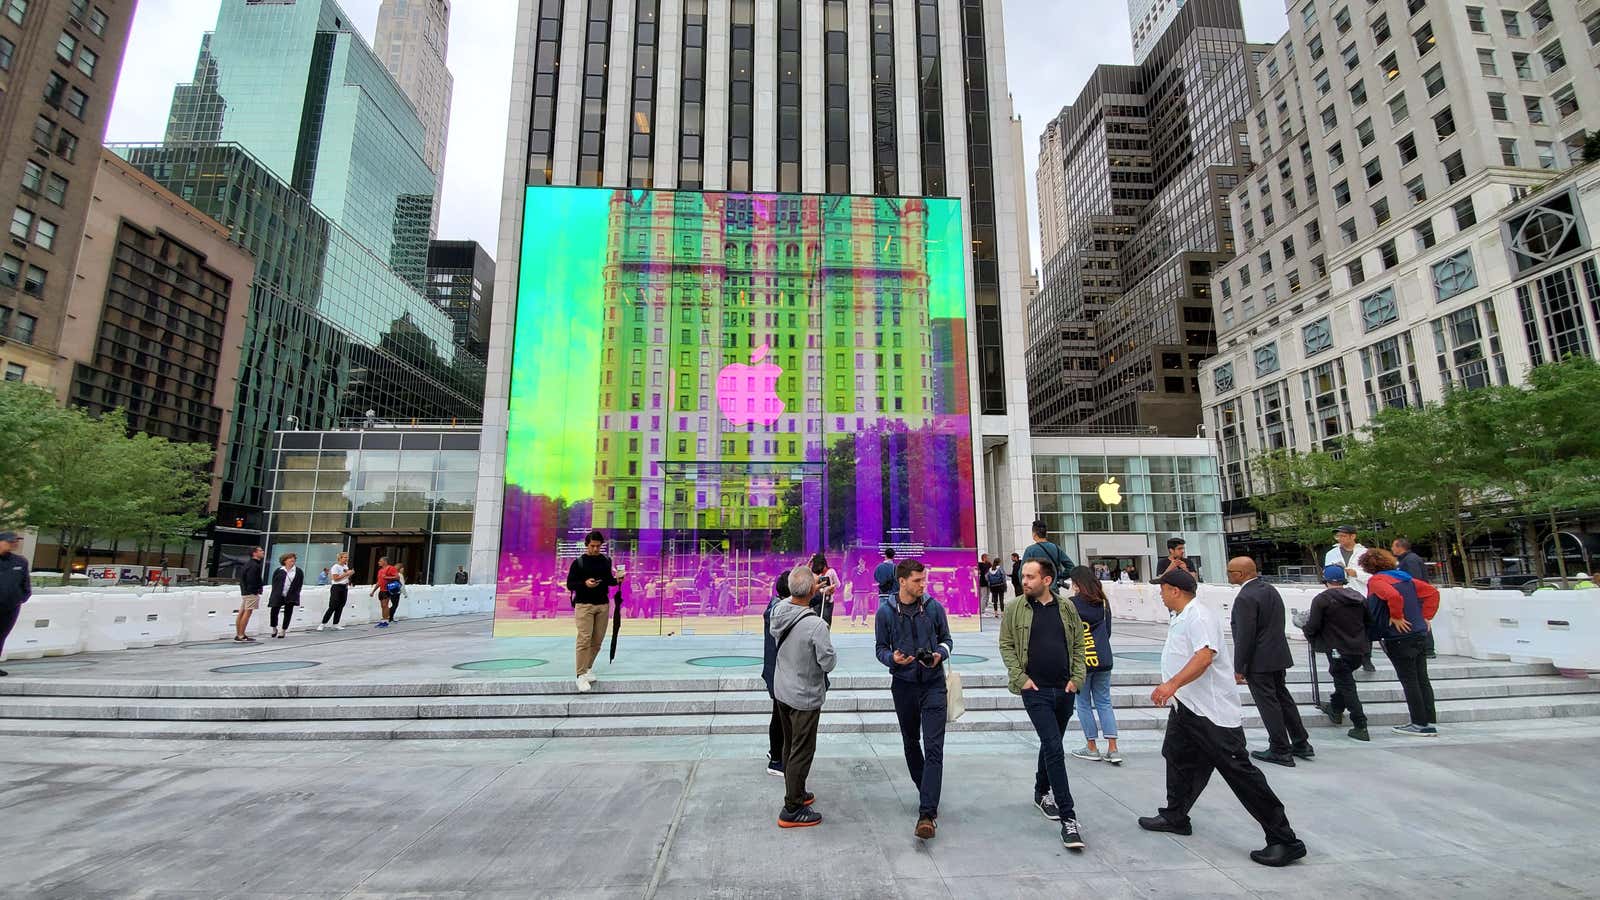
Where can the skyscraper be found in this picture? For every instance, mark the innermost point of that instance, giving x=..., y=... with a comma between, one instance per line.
x=461, y=283
x=413, y=39
x=1147, y=19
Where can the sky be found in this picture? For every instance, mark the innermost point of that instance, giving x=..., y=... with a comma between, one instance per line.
x=1048, y=58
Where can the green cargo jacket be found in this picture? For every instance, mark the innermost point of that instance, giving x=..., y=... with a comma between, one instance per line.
x=1014, y=630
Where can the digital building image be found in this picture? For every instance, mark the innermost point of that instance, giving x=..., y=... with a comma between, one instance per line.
x=726, y=383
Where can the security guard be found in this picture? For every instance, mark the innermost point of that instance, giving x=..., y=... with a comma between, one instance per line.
x=15, y=586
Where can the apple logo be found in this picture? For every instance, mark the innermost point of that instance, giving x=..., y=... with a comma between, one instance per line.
x=1111, y=492
x=745, y=393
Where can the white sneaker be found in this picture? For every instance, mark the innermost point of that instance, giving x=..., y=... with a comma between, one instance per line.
x=583, y=685
x=322, y=627
x=338, y=628
x=590, y=677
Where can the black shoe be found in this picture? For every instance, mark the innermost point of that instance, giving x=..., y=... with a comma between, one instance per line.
x=1047, y=805
x=774, y=767
x=1368, y=666
x=1277, y=759
x=4, y=673
x=1359, y=733
x=808, y=799
x=799, y=817
x=1303, y=750
x=1161, y=823
x=1336, y=718
x=1279, y=854
x=1071, y=837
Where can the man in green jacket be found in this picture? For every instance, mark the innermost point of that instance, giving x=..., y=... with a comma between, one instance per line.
x=1041, y=641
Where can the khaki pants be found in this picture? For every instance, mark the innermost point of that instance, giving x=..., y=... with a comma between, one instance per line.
x=592, y=619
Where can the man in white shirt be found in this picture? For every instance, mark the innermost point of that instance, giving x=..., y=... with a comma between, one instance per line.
x=1205, y=731
x=1346, y=553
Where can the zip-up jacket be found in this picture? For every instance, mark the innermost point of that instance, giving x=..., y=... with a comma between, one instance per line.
x=1395, y=595
x=920, y=627
x=1015, y=628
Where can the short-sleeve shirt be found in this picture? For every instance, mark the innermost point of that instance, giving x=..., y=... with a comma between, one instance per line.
x=336, y=573
x=1214, y=694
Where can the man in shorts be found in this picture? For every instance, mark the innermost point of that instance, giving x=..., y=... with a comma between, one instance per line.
x=252, y=574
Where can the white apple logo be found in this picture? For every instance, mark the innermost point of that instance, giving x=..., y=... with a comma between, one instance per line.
x=1111, y=492
x=746, y=393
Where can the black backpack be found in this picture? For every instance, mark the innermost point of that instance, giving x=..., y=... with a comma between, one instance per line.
x=997, y=579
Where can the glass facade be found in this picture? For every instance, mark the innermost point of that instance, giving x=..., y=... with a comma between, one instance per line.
x=406, y=494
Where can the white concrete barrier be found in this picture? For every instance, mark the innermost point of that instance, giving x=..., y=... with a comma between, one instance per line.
x=139, y=620
x=50, y=625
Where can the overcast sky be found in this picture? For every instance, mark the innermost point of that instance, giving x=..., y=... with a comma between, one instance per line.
x=1048, y=58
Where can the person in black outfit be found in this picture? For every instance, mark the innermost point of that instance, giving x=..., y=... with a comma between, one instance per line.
x=287, y=581
x=1337, y=625
x=997, y=586
x=769, y=665
x=1016, y=575
x=590, y=580
x=461, y=575
x=1261, y=658
x=1175, y=557
x=252, y=577
x=15, y=586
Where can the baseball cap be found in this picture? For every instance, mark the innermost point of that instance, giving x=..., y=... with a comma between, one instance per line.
x=1345, y=529
x=1179, y=579
x=1333, y=575
x=8, y=536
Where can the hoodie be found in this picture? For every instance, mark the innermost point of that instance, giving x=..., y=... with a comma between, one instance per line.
x=1393, y=595
x=805, y=657
x=1338, y=621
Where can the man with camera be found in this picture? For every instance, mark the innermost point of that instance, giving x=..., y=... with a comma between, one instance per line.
x=913, y=638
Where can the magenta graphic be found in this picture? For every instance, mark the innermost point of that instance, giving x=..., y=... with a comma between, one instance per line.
x=746, y=394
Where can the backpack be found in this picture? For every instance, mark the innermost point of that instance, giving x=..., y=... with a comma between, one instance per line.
x=997, y=580
x=392, y=587
x=889, y=584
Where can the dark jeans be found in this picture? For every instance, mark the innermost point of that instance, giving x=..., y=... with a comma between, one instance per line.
x=920, y=707
x=998, y=599
x=1194, y=748
x=337, y=596
x=394, y=603
x=1409, y=655
x=775, y=733
x=1342, y=670
x=288, y=612
x=8, y=620
x=799, y=749
x=1050, y=709
x=1278, y=713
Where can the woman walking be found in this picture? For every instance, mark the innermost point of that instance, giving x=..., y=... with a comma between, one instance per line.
x=1094, y=695
x=338, y=592
x=287, y=581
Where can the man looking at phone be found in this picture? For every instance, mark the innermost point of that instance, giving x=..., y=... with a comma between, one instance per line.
x=913, y=638
x=590, y=580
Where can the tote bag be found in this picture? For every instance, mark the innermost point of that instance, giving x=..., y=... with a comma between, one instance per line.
x=954, y=704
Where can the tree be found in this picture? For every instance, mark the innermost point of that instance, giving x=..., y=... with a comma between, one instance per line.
x=1301, y=497
x=27, y=414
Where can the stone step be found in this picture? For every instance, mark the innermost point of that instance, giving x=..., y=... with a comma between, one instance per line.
x=1146, y=721
x=617, y=702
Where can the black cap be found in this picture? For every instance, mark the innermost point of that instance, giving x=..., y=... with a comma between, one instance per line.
x=8, y=536
x=1179, y=579
x=1345, y=529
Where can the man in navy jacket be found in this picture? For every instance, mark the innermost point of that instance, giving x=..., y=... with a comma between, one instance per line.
x=913, y=640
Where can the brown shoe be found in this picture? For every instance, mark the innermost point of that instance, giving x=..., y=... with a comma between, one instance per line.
x=925, y=828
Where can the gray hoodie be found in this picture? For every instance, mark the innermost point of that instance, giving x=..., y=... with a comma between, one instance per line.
x=805, y=659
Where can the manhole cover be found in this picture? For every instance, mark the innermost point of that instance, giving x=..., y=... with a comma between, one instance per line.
x=1140, y=656
x=496, y=665
x=967, y=658
x=247, y=668
x=725, y=662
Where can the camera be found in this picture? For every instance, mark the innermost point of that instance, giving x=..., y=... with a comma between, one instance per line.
x=926, y=657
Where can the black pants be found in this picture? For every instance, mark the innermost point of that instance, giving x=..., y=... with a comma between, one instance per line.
x=288, y=612
x=920, y=706
x=1050, y=709
x=775, y=733
x=8, y=620
x=337, y=595
x=799, y=749
x=1194, y=748
x=394, y=604
x=1409, y=655
x=1279, y=715
x=1342, y=669
x=997, y=596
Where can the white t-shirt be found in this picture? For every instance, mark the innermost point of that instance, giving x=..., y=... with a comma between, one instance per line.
x=339, y=574
x=1335, y=557
x=1214, y=694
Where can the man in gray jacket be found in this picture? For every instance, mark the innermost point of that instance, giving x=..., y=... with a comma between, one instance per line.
x=799, y=685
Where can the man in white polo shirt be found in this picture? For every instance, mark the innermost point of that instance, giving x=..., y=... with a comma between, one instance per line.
x=1346, y=552
x=1205, y=730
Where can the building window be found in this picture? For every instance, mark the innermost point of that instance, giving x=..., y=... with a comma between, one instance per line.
x=1567, y=99
x=1417, y=190
x=1374, y=172
x=1560, y=314
x=66, y=145
x=691, y=129
x=546, y=79
x=1468, y=347
x=1524, y=66
x=1388, y=368
x=1274, y=427
x=885, y=144
x=77, y=103
x=23, y=330
x=592, y=105
x=33, y=281
x=8, y=50
x=1425, y=235
x=1497, y=108
x=15, y=372
x=1423, y=38
x=97, y=22
x=16, y=10
x=1380, y=212
x=1266, y=360
x=44, y=234
x=1466, y=214
x=1547, y=154
x=642, y=126
x=1486, y=63
x=1222, y=378
x=1591, y=24
x=1555, y=59
x=930, y=99
x=1508, y=151
x=66, y=47
x=21, y=224
x=1388, y=255
x=1378, y=310
x=789, y=127
x=836, y=123
x=1318, y=336
x=87, y=60
x=1454, y=275
x=10, y=270
x=1535, y=108
x=32, y=176
x=741, y=94
x=1444, y=123
x=1327, y=402
x=1454, y=168
x=55, y=189
x=1545, y=234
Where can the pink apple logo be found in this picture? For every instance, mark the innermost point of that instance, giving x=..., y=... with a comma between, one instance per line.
x=745, y=393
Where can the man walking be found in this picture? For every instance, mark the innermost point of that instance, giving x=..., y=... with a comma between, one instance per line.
x=1204, y=730
x=1261, y=659
x=800, y=685
x=1041, y=642
x=590, y=580
x=15, y=586
x=252, y=577
x=387, y=586
x=913, y=640
x=1337, y=624
x=1044, y=548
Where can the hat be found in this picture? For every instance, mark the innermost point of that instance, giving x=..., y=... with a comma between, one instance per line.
x=1333, y=575
x=1579, y=575
x=10, y=536
x=1179, y=579
x=1345, y=529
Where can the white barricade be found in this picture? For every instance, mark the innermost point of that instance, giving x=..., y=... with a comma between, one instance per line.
x=209, y=615
x=117, y=622
x=361, y=608
x=50, y=625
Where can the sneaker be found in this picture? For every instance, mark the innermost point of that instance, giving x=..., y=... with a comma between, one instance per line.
x=1071, y=837
x=774, y=767
x=1047, y=805
x=1359, y=733
x=583, y=684
x=383, y=624
x=249, y=640
x=1416, y=730
x=590, y=677
x=240, y=639
x=338, y=627
x=322, y=628
x=1085, y=753
x=1336, y=718
x=799, y=817
x=925, y=828
x=1304, y=751
x=808, y=799
x=1113, y=757
x=1162, y=823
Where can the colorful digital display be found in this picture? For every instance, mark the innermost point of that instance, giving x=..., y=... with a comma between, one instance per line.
x=727, y=384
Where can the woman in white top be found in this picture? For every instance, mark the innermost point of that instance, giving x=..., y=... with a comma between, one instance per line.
x=339, y=591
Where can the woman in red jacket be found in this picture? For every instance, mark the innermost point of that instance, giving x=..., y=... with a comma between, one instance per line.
x=1399, y=608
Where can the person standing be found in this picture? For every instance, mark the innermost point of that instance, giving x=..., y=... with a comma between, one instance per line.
x=983, y=577
x=338, y=592
x=800, y=685
x=1016, y=575
x=287, y=580
x=827, y=587
x=1400, y=607
x=461, y=575
x=16, y=586
x=1094, y=691
x=1175, y=557
x=1044, y=548
x=1409, y=562
x=387, y=587
x=252, y=577
x=1041, y=642
x=769, y=667
x=1261, y=661
x=1205, y=730
x=913, y=640
x=323, y=578
x=997, y=586
x=590, y=579
x=883, y=575
x=1336, y=624
x=1346, y=554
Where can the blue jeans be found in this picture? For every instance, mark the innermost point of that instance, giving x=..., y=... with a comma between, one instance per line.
x=1095, y=697
x=920, y=707
x=1050, y=709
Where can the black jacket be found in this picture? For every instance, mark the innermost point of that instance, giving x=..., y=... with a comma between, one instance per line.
x=252, y=577
x=1016, y=577
x=769, y=645
x=462, y=578
x=1413, y=565
x=1259, y=643
x=15, y=585
x=585, y=567
x=1337, y=620
x=286, y=594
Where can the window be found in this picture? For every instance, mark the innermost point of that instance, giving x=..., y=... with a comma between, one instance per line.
x=21, y=224
x=10, y=270
x=1425, y=235
x=1315, y=46
x=55, y=87
x=1265, y=260
x=1475, y=20
x=45, y=234
x=1444, y=123
x=32, y=175
x=1454, y=168
x=1398, y=110
x=1364, y=133
x=1322, y=83
x=1454, y=275
x=1244, y=277
x=1592, y=26
x=1358, y=93
x=66, y=145
x=1341, y=193
x=23, y=331
x=1318, y=336
x=1423, y=37
x=1458, y=338
x=1222, y=377
x=1547, y=154
x=1497, y=108
x=1378, y=310
x=1434, y=79
x=1380, y=29
x=66, y=47
x=1390, y=67
x=7, y=51
x=1356, y=271
x=97, y=22
x=1486, y=63
x=1341, y=20
x=1267, y=360
x=1417, y=190
x=1330, y=119
x=1352, y=58
x=1466, y=214
x=1535, y=107
x=1566, y=101
x=77, y=102
x=1555, y=59
x=1387, y=253
x=1374, y=170
x=1508, y=151
x=87, y=60
x=1287, y=246
x=1313, y=232
x=15, y=372
x=1335, y=156
x=1540, y=12
x=1347, y=231
x=1319, y=266
x=55, y=189
x=1387, y=367
x=44, y=132
x=1512, y=22
x=33, y=283
x=1407, y=146
x=1380, y=212
x=16, y=10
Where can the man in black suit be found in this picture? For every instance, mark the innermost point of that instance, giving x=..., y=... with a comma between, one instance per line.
x=1260, y=659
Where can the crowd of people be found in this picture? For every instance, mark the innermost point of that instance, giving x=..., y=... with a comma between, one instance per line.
x=284, y=583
